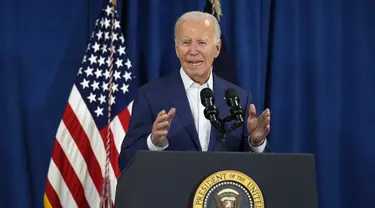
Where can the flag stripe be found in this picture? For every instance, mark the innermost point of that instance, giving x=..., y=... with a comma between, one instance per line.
x=79, y=135
x=88, y=125
x=130, y=107
x=46, y=201
x=58, y=184
x=69, y=176
x=50, y=197
x=118, y=132
x=113, y=184
x=113, y=157
x=124, y=118
x=96, y=141
x=78, y=164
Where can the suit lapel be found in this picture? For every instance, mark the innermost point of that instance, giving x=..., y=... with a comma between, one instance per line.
x=178, y=98
x=219, y=90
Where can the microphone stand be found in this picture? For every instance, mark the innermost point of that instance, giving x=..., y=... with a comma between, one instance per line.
x=224, y=133
x=219, y=124
x=223, y=139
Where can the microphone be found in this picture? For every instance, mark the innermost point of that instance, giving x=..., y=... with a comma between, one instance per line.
x=233, y=101
x=211, y=112
x=208, y=101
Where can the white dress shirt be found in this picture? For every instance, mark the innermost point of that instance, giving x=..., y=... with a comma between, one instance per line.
x=202, y=124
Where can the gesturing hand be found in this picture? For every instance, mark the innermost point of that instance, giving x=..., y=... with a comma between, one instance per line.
x=161, y=126
x=258, y=127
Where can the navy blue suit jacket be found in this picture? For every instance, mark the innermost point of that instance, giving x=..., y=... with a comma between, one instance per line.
x=169, y=92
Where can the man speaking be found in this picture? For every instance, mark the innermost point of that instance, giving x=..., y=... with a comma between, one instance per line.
x=186, y=110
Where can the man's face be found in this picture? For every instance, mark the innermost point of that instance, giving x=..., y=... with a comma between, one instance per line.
x=196, y=48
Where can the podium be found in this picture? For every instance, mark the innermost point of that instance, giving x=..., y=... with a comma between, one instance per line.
x=218, y=179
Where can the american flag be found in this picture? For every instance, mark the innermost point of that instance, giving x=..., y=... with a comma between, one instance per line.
x=94, y=123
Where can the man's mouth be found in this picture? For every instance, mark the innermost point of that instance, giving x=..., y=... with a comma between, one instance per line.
x=195, y=63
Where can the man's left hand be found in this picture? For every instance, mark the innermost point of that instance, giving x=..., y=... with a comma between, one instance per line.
x=258, y=127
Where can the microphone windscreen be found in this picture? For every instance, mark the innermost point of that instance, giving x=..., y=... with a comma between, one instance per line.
x=230, y=93
x=206, y=93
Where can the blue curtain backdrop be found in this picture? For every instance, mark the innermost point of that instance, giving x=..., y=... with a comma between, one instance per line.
x=310, y=62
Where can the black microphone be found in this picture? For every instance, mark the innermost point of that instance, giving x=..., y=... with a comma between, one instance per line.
x=233, y=101
x=210, y=111
x=208, y=101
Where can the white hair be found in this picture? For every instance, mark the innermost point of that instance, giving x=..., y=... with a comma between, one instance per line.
x=197, y=15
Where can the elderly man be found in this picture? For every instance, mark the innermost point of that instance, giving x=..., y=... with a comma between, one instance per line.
x=168, y=115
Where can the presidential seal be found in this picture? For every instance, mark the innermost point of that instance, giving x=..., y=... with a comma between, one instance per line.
x=228, y=189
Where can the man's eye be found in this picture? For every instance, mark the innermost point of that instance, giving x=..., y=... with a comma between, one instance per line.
x=185, y=42
x=203, y=43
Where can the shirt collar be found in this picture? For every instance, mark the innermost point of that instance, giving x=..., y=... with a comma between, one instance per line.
x=188, y=82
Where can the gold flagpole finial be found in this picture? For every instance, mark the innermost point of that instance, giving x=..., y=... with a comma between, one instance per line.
x=216, y=8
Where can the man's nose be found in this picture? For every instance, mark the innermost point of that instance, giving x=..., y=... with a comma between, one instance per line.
x=193, y=49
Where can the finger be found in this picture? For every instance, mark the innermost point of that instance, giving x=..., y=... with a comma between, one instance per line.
x=160, y=134
x=265, y=121
x=252, y=111
x=161, y=118
x=163, y=125
x=161, y=113
x=158, y=117
x=265, y=116
x=171, y=114
x=266, y=113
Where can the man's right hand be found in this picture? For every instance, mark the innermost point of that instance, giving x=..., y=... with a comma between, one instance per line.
x=161, y=126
